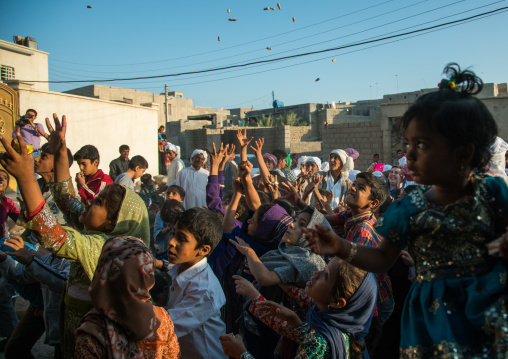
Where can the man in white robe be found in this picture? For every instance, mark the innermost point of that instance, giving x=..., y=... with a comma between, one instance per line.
x=176, y=163
x=193, y=179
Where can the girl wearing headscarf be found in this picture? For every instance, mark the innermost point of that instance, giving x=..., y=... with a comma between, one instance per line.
x=117, y=211
x=124, y=323
x=337, y=179
x=176, y=164
x=341, y=300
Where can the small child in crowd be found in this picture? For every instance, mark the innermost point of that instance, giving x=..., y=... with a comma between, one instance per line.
x=137, y=167
x=90, y=179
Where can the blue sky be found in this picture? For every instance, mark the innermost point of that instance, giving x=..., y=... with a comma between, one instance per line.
x=119, y=39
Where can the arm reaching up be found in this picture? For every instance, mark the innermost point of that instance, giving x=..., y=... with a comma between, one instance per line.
x=244, y=142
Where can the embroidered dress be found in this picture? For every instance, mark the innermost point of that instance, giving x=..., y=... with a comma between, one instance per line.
x=457, y=306
x=82, y=247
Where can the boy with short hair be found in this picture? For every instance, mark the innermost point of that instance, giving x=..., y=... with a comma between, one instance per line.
x=90, y=180
x=137, y=167
x=196, y=297
x=173, y=192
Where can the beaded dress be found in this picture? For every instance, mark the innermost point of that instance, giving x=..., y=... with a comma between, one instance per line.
x=457, y=306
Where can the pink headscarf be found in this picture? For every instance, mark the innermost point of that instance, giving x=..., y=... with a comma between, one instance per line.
x=269, y=156
x=352, y=153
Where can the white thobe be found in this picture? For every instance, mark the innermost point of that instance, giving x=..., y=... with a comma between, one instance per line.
x=174, y=168
x=194, y=183
x=336, y=187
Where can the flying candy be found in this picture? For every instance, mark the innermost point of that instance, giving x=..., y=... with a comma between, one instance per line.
x=89, y=6
x=333, y=59
x=317, y=79
x=266, y=8
x=268, y=48
x=271, y=8
x=233, y=19
x=229, y=10
x=293, y=19
x=278, y=5
x=218, y=38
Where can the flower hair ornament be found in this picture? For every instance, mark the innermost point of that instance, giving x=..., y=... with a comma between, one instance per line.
x=447, y=84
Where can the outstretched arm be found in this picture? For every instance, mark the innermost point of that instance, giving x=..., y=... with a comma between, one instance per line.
x=263, y=170
x=378, y=259
x=228, y=222
x=251, y=195
x=244, y=142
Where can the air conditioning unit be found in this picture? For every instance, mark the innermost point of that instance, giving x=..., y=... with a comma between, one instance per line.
x=30, y=42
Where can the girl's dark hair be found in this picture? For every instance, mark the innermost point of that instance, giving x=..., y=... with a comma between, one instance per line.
x=458, y=116
x=170, y=210
x=349, y=279
x=114, y=194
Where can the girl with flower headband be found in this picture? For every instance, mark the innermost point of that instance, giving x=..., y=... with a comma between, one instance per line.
x=458, y=305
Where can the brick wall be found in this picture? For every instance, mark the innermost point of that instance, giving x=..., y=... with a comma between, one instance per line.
x=365, y=137
x=300, y=133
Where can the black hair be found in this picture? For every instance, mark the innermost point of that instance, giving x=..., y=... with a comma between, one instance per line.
x=159, y=285
x=146, y=178
x=161, y=126
x=138, y=161
x=218, y=213
x=242, y=209
x=378, y=187
x=164, y=137
x=281, y=155
x=376, y=154
x=178, y=190
x=399, y=151
x=45, y=148
x=458, y=116
x=114, y=194
x=87, y=152
x=409, y=188
x=123, y=148
x=32, y=110
x=170, y=210
x=203, y=224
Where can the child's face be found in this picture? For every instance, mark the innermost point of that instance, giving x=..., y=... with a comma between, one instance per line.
x=358, y=195
x=253, y=223
x=138, y=172
x=430, y=159
x=95, y=215
x=43, y=163
x=172, y=194
x=182, y=248
x=269, y=164
x=88, y=168
x=321, y=285
x=4, y=179
x=294, y=231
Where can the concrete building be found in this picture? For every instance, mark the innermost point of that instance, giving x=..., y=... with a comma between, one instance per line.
x=104, y=124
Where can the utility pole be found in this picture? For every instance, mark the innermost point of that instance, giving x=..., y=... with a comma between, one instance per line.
x=273, y=96
x=166, y=102
x=397, y=78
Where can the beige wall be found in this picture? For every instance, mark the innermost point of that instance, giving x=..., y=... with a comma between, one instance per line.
x=104, y=124
x=29, y=64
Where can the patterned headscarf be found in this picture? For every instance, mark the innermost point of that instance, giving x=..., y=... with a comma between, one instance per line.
x=123, y=313
x=269, y=156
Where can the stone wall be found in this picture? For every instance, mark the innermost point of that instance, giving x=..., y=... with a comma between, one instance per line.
x=300, y=133
x=365, y=137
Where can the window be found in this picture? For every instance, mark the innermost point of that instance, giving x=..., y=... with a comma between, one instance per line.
x=7, y=72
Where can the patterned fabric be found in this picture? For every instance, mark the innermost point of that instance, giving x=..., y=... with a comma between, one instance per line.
x=94, y=185
x=312, y=344
x=296, y=263
x=124, y=320
x=458, y=304
x=359, y=229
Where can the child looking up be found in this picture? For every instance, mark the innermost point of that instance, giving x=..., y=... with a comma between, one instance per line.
x=90, y=179
x=342, y=300
x=457, y=306
x=137, y=166
x=196, y=296
x=114, y=212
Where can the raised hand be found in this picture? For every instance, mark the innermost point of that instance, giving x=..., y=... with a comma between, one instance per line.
x=232, y=345
x=407, y=259
x=245, y=169
x=272, y=309
x=258, y=146
x=237, y=185
x=242, y=138
x=216, y=157
x=20, y=165
x=289, y=193
x=20, y=251
x=56, y=137
x=80, y=179
x=245, y=288
x=242, y=246
x=228, y=156
x=322, y=240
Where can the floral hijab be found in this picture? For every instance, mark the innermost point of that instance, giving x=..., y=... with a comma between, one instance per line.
x=123, y=314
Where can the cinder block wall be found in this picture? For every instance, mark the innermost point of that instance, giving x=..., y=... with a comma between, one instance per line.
x=365, y=137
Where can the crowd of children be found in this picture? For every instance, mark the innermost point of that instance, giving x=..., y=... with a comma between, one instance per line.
x=305, y=259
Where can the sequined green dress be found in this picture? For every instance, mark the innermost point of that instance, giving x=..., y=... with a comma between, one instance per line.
x=457, y=308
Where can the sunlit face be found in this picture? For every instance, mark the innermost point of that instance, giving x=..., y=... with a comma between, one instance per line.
x=172, y=194
x=198, y=161
x=311, y=168
x=357, y=196
x=269, y=164
x=171, y=155
x=4, y=181
x=43, y=163
x=394, y=175
x=88, y=168
x=399, y=154
x=182, y=247
x=294, y=231
x=335, y=163
x=322, y=283
x=95, y=215
x=138, y=172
